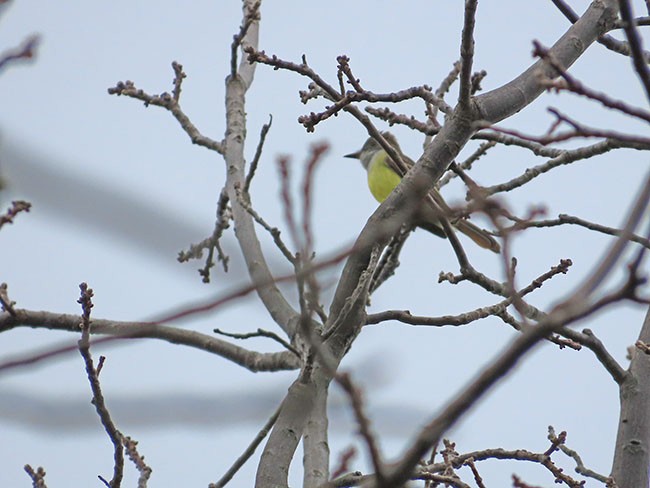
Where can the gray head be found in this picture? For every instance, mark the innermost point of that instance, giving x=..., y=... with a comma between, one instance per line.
x=370, y=147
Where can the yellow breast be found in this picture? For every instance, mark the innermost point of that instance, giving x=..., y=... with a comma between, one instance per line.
x=381, y=178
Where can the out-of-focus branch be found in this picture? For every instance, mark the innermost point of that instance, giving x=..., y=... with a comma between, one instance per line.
x=636, y=47
x=568, y=82
x=354, y=394
x=25, y=51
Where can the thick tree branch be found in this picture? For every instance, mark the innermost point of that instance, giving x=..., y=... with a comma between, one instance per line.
x=236, y=87
x=251, y=360
x=632, y=454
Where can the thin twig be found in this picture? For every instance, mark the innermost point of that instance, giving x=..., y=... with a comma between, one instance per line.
x=252, y=360
x=131, y=448
x=344, y=380
x=273, y=231
x=165, y=100
x=635, y=41
x=318, y=151
x=37, y=476
x=250, y=16
x=258, y=154
x=6, y=304
x=17, y=206
x=573, y=85
x=98, y=397
x=564, y=219
x=213, y=242
x=246, y=455
x=261, y=333
x=467, y=52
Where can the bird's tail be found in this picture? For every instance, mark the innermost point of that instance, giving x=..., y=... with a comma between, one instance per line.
x=478, y=235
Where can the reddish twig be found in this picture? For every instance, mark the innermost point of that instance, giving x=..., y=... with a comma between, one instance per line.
x=26, y=51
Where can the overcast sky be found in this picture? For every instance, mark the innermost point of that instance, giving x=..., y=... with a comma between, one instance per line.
x=118, y=190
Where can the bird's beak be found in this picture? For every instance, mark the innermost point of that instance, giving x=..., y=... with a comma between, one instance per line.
x=354, y=155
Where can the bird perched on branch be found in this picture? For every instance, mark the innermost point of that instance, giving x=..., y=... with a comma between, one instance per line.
x=384, y=175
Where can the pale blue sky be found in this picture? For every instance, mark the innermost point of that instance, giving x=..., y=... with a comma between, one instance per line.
x=67, y=144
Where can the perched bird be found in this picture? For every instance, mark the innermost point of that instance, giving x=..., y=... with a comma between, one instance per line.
x=384, y=176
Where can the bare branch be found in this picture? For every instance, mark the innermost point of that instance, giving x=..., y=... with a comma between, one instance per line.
x=575, y=86
x=363, y=422
x=98, y=397
x=467, y=164
x=167, y=101
x=251, y=15
x=179, y=76
x=213, y=242
x=636, y=47
x=38, y=476
x=258, y=154
x=579, y=130
x=131, y=448
x=578, y=305
x=253, y=361
x=273, y=231
x=261, y=333
x=410, y=121
x=620, y=47
x=467, y=52
x=560, y=159
x=564, y=219
x=580, y=466
x=508, y=140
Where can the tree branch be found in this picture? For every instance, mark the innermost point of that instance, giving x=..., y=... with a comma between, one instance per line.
x=253, y=361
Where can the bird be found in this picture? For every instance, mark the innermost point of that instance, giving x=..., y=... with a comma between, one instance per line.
x=384, y=175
